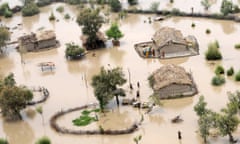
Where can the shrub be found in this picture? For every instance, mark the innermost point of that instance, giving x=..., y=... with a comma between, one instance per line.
x=3, y=141
x=237, y=46
x=237, y=76
x=60, y=9
x=52, y=17
x=114, y=32
x=73, y=2
x=85, y=118
x=230, y=71
x=74, y=51
x=67, y=16
x=219, y=70
x=43, y=140
x=208, y=31
x=226, y=7
x=5, y=10
x=218, y=80
x=171, y=1
x=193, y=25
x=213, y=53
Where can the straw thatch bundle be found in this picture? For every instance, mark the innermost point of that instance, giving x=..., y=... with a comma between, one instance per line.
x=170, y=74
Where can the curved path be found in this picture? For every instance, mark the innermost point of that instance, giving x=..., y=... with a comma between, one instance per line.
x=63, y=130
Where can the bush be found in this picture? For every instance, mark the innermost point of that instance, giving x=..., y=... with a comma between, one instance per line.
x=208, y=31
x=3, y=141
x=30, y=8
x=60, y=9
x=74, y=51
x=237, y=46
x=114, y=32
x=213, y=52
x=216, y=44
x=226, y=7
x=237, y=76
x=73, y=2
x=171, y=1
x=43, y=140
x=219, y=70
x=218, y=80
x=85, y=118
x=67, y=16
x=230, y=71
x=176, y=12
x=151, y=81
x=5, y=10
x=193, y=25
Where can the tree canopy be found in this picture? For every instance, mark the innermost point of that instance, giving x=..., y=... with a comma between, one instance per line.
x=106, y=84
x=13, y=98
x=91, y=22
x=115, y=5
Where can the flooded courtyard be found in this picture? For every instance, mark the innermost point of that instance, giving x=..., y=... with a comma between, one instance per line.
x=70, y=83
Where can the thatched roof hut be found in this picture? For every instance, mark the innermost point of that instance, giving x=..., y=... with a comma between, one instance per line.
x=172, y=81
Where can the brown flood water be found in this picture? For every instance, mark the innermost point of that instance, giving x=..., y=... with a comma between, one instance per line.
x=68, y=88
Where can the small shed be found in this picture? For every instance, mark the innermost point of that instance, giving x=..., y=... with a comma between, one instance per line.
x=172, y=81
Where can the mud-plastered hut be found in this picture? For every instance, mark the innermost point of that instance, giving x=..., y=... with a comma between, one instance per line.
x=168, y=43
x=35, y=42
x=172, y=81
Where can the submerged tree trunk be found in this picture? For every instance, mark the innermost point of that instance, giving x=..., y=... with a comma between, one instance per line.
x=117, y=100
x=231, y=139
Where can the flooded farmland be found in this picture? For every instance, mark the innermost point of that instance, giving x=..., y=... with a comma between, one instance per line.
x=68, y=88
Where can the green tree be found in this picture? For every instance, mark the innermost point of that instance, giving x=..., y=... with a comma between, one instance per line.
x=114, y=32
x=115, y=5
x=106, y=84
x=13, y=98
x=226, y=7
x=4, y=37
x=74, y=51
x=3, y=141
x=5, y=10
x=200, y=107
x=43, y=140
x=30, y=8
x=91, y=22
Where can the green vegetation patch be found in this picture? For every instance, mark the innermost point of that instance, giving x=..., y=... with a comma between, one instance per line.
x=86, y=118
x=219, y=70
x=230, y=71
x=218, y=80
x=213, y=52
x=237, y=76
x=3, y=141
x=60, y=9
x=43, y=140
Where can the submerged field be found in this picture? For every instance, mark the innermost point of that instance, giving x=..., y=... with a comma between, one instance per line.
x=67, y=85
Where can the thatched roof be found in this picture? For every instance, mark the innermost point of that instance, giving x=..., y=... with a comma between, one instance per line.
x=26, y=39
x=166, y=34
x=170, y=74
x=46, y=35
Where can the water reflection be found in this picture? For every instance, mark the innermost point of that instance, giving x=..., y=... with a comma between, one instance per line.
x=176, y=61
x=28, y=22
x=18, y=132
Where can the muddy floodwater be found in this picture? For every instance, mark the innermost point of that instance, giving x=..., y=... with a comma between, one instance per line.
x=70, y=83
